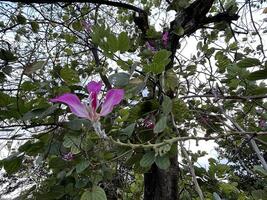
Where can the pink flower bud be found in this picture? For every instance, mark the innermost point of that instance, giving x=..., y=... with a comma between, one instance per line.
x=165, y=38
x=148, y=123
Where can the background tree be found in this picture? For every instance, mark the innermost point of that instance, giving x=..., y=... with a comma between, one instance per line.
x=190, y=70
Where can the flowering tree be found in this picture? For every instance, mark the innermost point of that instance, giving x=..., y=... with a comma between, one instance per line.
x=104, y=98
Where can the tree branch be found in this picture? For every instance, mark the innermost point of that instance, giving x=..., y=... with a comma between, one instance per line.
x=103, y=2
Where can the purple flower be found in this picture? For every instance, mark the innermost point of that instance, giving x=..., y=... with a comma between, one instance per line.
x=262, y=123
x=69, y=156
x=150, y=47
x=87, y=25
x=165, y=38
x=89, y=111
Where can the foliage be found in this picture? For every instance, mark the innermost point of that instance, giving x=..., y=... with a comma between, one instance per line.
x=185, y=79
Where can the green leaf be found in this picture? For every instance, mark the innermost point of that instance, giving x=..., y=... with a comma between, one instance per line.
x=162, y=57
x=160, y=125
x=166, y=105
x=35, y=26
x=77, y=25
x=124, y=42
x=180, y=110
x=69, y=75
x=7, y=69
x=129, y=130
x=96, y=193
x=248, y=62
x=69, y=38
x=258, y=75
x=160, y=60
x=112, y=42
x=163, y=162
x=81, y=166
x=179, y=31
x=259, y=169
x=12, y=164
x=171, y=80
x=7, y=55
x=98, y=33
x=33, y=67
x=120, y=79
x=21, y=19
x=134, y=87
x=32, y=148
x=259, y=194
x=147, y=159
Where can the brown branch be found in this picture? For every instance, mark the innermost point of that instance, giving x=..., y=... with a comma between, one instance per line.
x=191, y=19
x=101, y=2
x=226, y=97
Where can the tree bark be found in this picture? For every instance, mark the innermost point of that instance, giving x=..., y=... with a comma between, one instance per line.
x=162, y=184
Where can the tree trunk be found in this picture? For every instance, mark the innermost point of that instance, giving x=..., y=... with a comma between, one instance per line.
x=162, y=184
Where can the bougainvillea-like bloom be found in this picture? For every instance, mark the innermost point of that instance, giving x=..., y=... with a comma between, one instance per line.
x=165, y=38
x=89, y=111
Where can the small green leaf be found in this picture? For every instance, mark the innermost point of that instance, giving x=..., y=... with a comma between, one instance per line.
x=248, y=62
x=21, y=19
x=129, y=130
x=166, y=105
x=120, y=79
x=179, y=31
x=96, y=193
x=77, y=25
x=124, y=42
x=163, y=162
x=69, y=75
x=160, y=125
x=147, y=159
x=33, y=67
x=35, y=26
x=7, y=69
x=81, y=166
x=7, y=55
x=171, y=80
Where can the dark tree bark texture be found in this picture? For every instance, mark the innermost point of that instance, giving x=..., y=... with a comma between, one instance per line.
x=162, y=184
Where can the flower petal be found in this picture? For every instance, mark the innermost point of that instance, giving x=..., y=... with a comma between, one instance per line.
x=74, y=103
x=113, y=97
x=93, y=89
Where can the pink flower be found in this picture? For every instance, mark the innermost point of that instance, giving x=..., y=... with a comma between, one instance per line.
x=89, y=111
x=165, y=38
